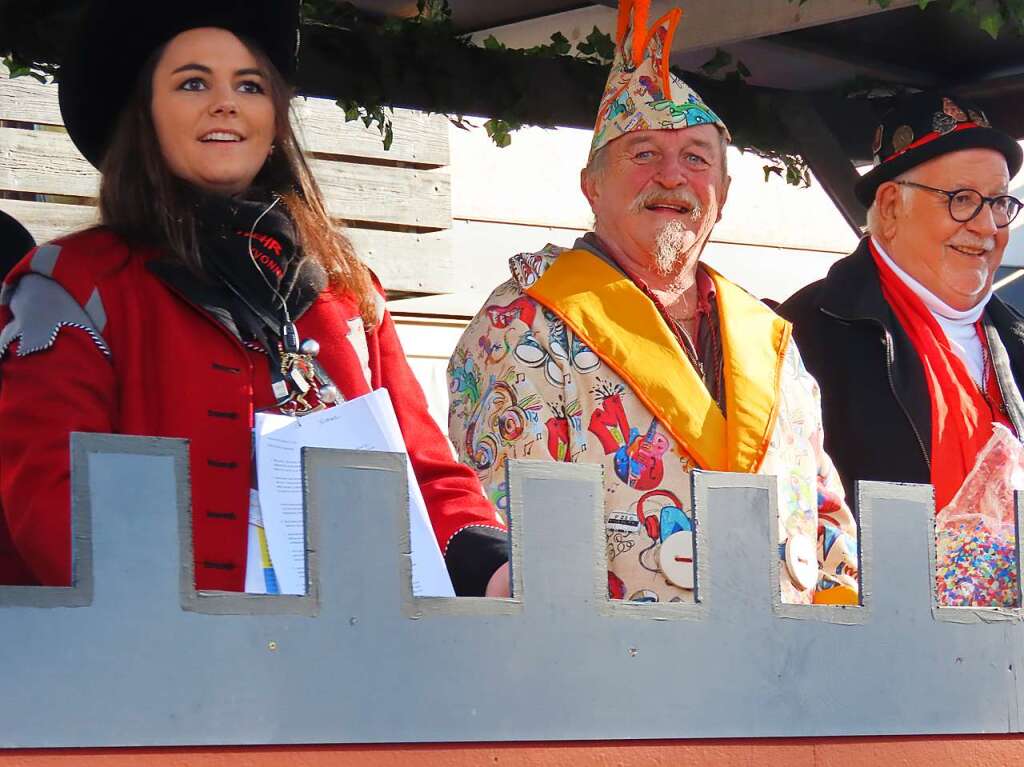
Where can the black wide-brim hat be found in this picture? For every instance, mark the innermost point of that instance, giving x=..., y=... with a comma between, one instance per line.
x=923, y=126
x=117, y=37
x=15, y=242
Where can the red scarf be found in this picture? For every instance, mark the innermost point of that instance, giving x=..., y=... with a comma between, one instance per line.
x=961, y=415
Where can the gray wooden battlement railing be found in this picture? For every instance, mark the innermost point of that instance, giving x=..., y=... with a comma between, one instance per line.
x=142, y=661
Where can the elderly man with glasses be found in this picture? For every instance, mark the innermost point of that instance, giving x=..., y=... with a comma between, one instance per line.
x=916, y=358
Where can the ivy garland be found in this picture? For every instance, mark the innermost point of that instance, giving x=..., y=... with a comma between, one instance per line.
x=434, y=18
x=993, y=16
x=432, y=25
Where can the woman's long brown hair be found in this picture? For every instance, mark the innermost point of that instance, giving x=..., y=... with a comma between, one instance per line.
x=145, y=203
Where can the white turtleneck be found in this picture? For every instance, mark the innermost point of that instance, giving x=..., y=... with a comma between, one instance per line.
x=958, y=326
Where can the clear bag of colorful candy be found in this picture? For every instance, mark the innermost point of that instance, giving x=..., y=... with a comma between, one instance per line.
x=976, y=534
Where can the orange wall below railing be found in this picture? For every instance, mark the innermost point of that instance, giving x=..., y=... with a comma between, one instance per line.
x=962, y=751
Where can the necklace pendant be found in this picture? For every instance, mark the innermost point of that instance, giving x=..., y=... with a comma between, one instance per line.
x=300, y=377
x=301, y=382
x=298, y=368
x=299, y=406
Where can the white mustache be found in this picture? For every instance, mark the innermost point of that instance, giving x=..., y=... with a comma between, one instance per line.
x=980, y=243
x=681, y=196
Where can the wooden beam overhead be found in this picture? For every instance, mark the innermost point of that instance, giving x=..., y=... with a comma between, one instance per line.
x=826, y=158
x=706, y=23
x=811, y=55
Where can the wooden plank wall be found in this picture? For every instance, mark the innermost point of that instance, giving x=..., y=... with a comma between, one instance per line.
x=397, y=202
x=773, y=238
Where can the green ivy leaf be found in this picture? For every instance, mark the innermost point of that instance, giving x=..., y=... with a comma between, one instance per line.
x=18, y=68
x=560, y=45
x=370, y=115
x=719, y=60
x=351, y=110
x=500, y=132
x=922, y=4
x=433, y=11
x=598, y=44
x=992, y=23
x=491, y=43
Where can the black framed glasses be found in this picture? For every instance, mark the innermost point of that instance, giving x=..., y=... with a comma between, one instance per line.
x=965, y=204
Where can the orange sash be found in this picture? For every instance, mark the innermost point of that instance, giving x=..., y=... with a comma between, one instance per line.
x=624, y=328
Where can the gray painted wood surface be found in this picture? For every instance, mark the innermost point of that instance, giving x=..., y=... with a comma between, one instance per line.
x=376, y=665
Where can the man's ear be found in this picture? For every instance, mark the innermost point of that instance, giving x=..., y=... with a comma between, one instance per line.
x=588, y=186
x=889, y=204
x=725, y=196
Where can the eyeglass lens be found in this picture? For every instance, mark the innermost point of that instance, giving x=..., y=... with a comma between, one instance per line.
x=966, y=204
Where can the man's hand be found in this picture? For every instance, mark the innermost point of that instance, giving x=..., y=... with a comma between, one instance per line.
x=499, y=585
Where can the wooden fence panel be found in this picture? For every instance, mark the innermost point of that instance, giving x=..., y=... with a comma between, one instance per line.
x=418, y=137
x=49, y=220
x=44, y=162
x=403, y=261
x=27, y=100
x=401, y=196
x=386, y=195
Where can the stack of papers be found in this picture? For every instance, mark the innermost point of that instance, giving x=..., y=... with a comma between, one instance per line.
x=366, y=423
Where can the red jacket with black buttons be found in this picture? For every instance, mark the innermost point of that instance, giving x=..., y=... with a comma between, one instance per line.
x=170, y=369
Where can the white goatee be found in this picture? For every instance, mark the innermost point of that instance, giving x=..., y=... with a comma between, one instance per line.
x=673, y=245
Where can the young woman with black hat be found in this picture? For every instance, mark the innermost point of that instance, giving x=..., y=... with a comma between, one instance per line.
x=216, y=288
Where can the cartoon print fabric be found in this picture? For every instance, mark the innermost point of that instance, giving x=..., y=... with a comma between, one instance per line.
x=641, y=92
x=523, y=385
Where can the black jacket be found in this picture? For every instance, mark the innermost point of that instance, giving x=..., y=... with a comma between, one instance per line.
x=877, y=415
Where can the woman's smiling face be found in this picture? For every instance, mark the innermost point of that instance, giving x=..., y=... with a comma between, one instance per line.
x=212, y=110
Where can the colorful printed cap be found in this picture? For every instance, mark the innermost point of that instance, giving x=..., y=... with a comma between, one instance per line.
x=641, y=93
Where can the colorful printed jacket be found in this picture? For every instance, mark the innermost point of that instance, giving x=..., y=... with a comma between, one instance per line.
x=570, y=361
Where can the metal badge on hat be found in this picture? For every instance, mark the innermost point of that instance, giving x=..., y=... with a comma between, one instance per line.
x=951, y=115
x=902, y=137
x=950, y=108
x=977, y=116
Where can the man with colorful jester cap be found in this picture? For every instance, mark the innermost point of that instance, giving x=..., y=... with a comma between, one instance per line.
x=625, y=351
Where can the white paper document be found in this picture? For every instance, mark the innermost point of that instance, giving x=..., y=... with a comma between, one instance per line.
x=365, y=423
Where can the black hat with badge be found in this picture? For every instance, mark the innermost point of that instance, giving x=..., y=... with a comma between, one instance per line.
x=923, y=126
x=116, y=37
x=15, y=242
